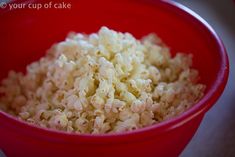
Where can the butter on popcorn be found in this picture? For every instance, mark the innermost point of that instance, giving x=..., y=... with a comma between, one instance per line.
x=105, y=82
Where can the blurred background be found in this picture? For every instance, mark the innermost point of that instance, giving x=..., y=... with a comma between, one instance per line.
x=216, y=135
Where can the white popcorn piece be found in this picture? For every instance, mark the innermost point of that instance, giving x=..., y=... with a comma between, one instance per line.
x=58, y=121
x=155, y=74
x=138, y=106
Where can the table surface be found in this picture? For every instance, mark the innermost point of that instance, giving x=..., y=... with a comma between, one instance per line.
x=216, y=135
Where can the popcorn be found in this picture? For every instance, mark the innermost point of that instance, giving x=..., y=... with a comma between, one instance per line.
x=155, y=74
x=137, y=106
x=97, y=101
x=24, y=115
x=104, y=82
x=58, y=121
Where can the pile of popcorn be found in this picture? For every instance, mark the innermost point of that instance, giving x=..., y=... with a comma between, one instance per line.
x=105, y=82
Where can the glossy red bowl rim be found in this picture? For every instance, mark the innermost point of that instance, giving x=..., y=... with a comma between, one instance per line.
x=140, y=134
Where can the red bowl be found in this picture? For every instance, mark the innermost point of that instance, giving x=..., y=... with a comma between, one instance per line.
x=27, y=33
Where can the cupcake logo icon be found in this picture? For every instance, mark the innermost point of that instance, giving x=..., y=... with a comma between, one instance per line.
x=3, y=5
